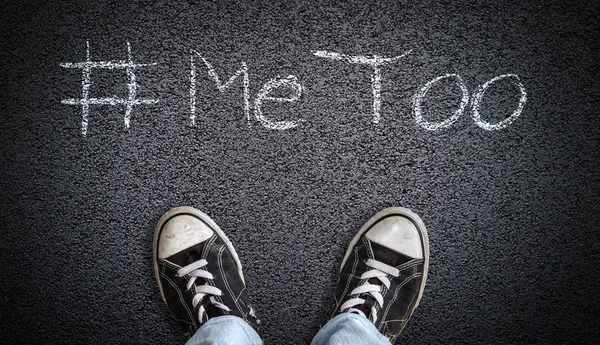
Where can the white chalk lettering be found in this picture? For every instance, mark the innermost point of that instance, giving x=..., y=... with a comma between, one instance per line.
x=504, y=123
x=418, y=99
x=290, y=89
x=86, y=82
x=220, y=86
x=290, y=82
x=376, y=62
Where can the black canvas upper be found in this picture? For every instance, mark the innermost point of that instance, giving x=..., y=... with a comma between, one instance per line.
x=400, y=299
x=225, y=277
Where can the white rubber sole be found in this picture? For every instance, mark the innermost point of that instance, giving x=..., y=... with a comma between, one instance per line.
x=189, y=210
x=420, y=227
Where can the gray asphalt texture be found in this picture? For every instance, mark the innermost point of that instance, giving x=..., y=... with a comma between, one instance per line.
x=512, y=214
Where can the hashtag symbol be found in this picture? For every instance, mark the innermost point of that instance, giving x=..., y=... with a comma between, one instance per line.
x=85, y=101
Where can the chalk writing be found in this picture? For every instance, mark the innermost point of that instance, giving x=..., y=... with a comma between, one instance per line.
x=504, y=123
x=220, y=86
x=86, y=82
x=418, y=98
x=293, y=91
x=289, y=82
x=376, y=62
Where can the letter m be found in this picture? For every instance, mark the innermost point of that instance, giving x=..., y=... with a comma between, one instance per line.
x=220, y=86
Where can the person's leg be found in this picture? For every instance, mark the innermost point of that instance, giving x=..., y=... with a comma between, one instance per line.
x=381, y=281
x=225, y=330
x=349, y=329
x=200, y=278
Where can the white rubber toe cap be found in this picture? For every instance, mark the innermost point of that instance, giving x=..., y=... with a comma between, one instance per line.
x=181, y=232
x=398, y=234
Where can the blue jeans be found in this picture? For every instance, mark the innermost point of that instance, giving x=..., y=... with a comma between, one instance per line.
x=344, y=329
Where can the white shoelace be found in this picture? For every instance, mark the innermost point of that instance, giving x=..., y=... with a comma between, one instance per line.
x=195, y=271
x=381, y=271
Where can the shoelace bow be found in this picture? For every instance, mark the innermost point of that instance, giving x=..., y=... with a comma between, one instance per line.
x=381, y=271
x=194, y=271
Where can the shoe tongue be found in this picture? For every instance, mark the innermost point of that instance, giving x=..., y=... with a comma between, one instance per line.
x=366, y=307
x=211, y=309
x=191, y=255
x=388, y=256
x=188, y=255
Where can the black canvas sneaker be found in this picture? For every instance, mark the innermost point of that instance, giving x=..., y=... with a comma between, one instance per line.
x=384, y=271
x=198, y=271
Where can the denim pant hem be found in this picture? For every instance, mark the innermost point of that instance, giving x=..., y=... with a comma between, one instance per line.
x=351, y=329
x=344, y=329
x=225, y=330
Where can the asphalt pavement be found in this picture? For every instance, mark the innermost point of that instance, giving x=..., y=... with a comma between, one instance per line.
x=110, y=116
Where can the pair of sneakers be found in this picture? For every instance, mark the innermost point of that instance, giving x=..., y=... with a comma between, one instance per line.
x=381, y=277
